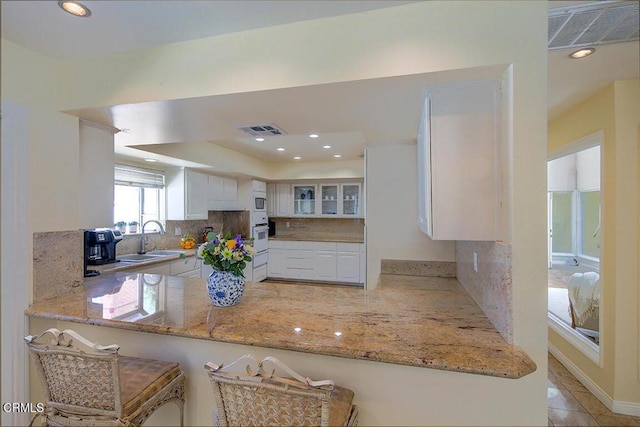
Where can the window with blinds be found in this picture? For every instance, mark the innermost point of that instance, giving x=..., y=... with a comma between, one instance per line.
x=138, y=177
x=138, y=197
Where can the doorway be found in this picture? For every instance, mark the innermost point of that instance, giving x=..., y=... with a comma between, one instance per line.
x=574, y=235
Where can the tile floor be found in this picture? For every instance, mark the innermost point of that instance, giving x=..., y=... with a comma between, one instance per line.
x=571, y=404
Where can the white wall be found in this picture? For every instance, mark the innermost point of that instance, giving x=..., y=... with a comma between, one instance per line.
x=95, y=207
x=392, y=211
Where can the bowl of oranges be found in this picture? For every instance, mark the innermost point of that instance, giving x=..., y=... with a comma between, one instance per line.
x=187, y=242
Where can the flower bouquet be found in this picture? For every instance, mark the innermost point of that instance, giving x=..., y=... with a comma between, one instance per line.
x=227, y=254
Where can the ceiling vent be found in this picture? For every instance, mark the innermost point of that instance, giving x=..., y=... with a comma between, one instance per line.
x=262, y=130
x=593, y=24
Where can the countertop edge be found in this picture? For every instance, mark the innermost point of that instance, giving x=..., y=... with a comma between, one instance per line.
x=523, y=367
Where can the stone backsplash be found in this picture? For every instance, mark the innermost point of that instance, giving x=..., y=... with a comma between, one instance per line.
x=321, y=228
x=418, y=268
x=491, y=285
x=58, y=256
x=235, y=222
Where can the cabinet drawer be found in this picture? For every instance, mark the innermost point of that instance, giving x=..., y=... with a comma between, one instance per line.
x=300, y=273
x=349, y=247
x=183, y=265
x=300, y=260
x=324, y=246
x=276, y=244
x=298, y=245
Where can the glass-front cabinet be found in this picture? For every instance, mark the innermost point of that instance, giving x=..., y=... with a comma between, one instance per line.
x=304, y=199
x=350, y=199
x=329, y=199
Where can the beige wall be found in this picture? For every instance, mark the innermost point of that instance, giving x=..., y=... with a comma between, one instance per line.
x=422, y=37
x=616, y=111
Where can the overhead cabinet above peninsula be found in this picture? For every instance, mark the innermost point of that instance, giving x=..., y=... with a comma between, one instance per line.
x=315, y=199
x=460, y=161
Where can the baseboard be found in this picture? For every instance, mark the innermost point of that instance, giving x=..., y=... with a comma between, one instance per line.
x=625, y=408
x=586, y=346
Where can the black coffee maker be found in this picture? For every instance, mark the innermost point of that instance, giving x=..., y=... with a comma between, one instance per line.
x=100, y=247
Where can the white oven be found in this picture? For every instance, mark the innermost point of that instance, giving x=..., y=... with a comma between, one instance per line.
x=260, y=234
x=259, y=218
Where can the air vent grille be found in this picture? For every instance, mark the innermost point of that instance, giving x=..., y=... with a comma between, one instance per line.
x=262, y=130
x=593, y=24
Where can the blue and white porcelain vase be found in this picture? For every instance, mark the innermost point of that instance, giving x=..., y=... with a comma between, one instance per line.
x=225, y=288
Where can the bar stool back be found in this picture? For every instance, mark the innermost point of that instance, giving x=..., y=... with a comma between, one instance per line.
x=253, y=396
x=87, y=384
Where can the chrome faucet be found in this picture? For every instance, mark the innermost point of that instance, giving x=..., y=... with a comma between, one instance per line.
x=143, y=244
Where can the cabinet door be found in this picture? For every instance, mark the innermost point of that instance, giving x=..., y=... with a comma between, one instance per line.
x=277, y=265
x=350, y=195
x=329, y=199
x=271, y=200
x=215, y=191
x=460, y=161
x=326, y=265
x=304, y=199
x=230, y=191
x=196, y=195
x=348, y=267
x=283, y=205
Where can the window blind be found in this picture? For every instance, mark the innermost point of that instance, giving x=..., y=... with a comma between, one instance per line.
x=138, y=177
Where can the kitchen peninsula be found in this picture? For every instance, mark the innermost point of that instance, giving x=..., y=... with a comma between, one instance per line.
x=419, y=322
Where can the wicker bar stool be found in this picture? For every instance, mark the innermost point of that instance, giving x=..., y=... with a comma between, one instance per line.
x=92, y=385
x=253, y=396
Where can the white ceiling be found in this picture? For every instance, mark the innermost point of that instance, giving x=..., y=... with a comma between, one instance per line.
x=339, y=111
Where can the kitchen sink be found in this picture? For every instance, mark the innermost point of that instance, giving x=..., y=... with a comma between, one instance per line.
x=139, y=257
x=165, y=253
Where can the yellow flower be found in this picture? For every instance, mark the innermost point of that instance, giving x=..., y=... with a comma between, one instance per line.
x=231, y=244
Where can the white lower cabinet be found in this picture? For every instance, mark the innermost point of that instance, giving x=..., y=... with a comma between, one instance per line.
x=321, y=261
x=183, y=267
x=348, y=266
x=326, y=266
x=277, y=266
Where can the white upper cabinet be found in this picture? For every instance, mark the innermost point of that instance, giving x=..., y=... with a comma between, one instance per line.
x=460, y=157
x=350, y=199
x=186, y=194
x=271, y=200
x=304, y=199
x=283, y=200
x=222, y=193
x=324, y=199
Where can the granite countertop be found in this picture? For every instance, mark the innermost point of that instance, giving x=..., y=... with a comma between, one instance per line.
x=427, y=322
x=307, y=238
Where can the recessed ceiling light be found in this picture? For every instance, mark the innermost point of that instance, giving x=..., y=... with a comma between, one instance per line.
x=259, y=139
x=150, y=160
x=337, y=156
x=297, y=158
x=75, y=8
x=280, y=149
x=313, y=135
x=582, y=53
x=326, y=147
